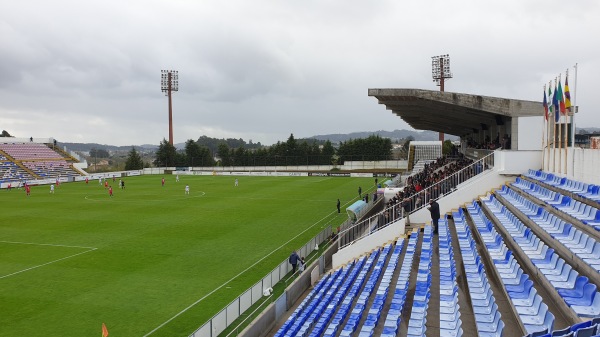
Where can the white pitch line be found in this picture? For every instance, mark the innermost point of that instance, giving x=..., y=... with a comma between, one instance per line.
x=47, y=263
x=199, y=194
x=45, y=244
x=231, y=279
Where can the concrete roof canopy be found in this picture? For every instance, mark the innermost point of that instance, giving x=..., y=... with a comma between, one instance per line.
x=452, y=113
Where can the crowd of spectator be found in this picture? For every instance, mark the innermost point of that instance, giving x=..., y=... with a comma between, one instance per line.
x=488, y=144
x=416, y=192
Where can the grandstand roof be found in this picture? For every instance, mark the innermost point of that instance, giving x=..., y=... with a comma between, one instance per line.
x=452, y=113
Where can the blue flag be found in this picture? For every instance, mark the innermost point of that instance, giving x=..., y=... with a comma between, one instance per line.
x=555, y=104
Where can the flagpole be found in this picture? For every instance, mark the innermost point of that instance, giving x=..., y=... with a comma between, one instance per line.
x=543, y=135
x=560, y=144
x=548, y=125
x=574, y=109
x=566, y=126
x=553, y=141
x=547, y=149
x=554, y=130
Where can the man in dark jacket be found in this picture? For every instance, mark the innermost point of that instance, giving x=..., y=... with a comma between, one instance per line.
x=406, y=207
x=294, y=258
x=434, y=209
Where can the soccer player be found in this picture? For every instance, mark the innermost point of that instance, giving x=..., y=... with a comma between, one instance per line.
x=187, y=189
x=27, y=189
x=236, y=182
x=105, y=184
x=110, y=192
x=177, y=178
x=86, y=180
x=52, y=189
x=163, y=182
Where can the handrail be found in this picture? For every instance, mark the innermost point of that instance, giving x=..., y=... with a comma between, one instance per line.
x=396, y=212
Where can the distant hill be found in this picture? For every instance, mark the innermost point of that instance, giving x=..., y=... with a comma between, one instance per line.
x=86, y=147
x=586, y=130
x=395, y=135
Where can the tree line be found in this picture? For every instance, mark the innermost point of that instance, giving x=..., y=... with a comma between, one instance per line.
x=292, y=152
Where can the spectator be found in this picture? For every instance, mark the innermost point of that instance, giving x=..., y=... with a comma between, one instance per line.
x=434, y=209
x=301, y=265
x=294, y=259
x=406, y=206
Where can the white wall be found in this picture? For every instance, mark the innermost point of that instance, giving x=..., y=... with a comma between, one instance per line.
x=586, y=165
x=530, y=131
x=367, y=244
x=16, y=140
x=466, y=192
x=348, y=165
x=577, y=164
x=517, y=162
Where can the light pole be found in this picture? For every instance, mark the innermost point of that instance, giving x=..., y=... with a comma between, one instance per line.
x=440, y=70
x=169, y=81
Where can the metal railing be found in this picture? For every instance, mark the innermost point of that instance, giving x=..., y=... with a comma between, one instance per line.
x=418, y=200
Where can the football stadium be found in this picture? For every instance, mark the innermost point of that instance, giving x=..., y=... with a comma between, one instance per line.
x=497, y=238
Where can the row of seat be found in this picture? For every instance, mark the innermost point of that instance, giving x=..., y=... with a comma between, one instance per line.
x=585, y=213
x=326, y=308
x=291, y=326
x=324, y=315
x=358, y=311
x=584, y=329
x=29, y=151
x=394, y=315
x=588, y=191
x=529, y=306
x=573, y=239
x=486, y=314
x=343, y=300
x=374, y=312
x=50, y=169
x=450, y=322
x=576, y=290
x=530, y=309
x=418, y=315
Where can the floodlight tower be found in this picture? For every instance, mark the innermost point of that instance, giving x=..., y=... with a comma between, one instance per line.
x=440, y=70
x=169, y=81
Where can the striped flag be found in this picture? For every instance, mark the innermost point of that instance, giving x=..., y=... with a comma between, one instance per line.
x=104, y=330
x=567, y=94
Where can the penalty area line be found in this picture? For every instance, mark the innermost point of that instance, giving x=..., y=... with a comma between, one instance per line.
x=47, y=263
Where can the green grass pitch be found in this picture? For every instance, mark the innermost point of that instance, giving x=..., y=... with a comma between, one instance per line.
x=72, y=260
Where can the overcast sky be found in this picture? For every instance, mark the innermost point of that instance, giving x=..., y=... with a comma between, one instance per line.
x=89, y=71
